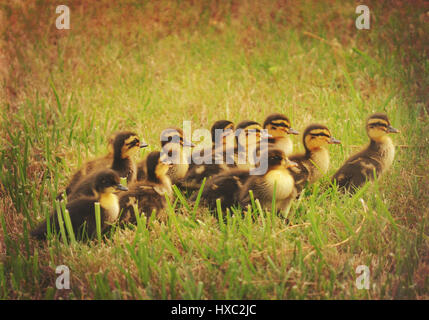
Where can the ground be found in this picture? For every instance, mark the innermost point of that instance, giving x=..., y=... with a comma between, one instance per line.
x=144, y=66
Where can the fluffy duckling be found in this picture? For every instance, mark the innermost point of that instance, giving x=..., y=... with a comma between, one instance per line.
x=122, y=147
x=225, y=186
x=248, y=137
x=211, y=162
x=149, y=194
x=82, y=210
x=376, y=157
x=314, y=163
x=279, y=127
x=277, y=176
x=176, y=146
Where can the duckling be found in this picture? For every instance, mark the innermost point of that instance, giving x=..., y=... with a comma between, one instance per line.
x=176, y=146
x=249, y=136
x=225, y=186
x=277, y=176
x=82, y=210
x=213, y=161
x=314, y=163
x=124, y=145
x=149, y=194
x=376, y=157
x=279, y=127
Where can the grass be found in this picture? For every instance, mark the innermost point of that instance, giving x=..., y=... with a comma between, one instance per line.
x=146, y=66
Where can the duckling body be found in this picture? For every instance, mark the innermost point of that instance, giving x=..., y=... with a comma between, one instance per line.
x=314, y=163
x=148, y=195
x=376, y=158
x=225, y=186
x=82, y=210
x=277, y=177
x=207, y=163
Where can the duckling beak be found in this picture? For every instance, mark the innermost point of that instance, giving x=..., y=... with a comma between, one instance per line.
x=143, y=145
x=121, y=187
x=334, y=141
x=290, y=164
x=292, y=131
x=390, y=129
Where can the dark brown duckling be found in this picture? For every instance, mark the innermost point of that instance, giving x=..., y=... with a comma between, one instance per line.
x=148, y=195
x=82, y=210
x=207, y=163
x=376, y=157
x=124, y=145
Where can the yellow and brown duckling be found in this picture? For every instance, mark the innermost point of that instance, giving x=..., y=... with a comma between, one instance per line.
x=249, y=135
x=148, y=195
x=376, y=158
x=207, y=163
x=122, y=146
x=125, y=145
x=174, y=144
x=314, y=163
x=82, y=210
x=278, y=177
x=279, y=127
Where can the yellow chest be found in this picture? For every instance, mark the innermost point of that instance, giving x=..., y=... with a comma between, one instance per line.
x=282, y=180
x=387, y=153
x=320, y=159
x=110, y=204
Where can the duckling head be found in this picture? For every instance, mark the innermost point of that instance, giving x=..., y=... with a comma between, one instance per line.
x=107, y=181
x=378, y=127
x=277, y=159
x=174, y=135
x=157, y=164
x=317, y=136
x=249, y=133
x=278, y=125
x=222, y=131
x=126, y=144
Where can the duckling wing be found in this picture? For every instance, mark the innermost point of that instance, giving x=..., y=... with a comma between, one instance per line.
x=147, y=198
x=301, y=175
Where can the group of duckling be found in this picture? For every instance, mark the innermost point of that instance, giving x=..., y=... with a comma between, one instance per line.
x=227, y=175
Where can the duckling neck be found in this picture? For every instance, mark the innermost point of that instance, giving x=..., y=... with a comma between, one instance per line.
x=320, y=158
x=110, y=203
x=283, y=143
x=385, y=149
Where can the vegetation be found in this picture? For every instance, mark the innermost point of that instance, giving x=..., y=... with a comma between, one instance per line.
x=148, y=65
